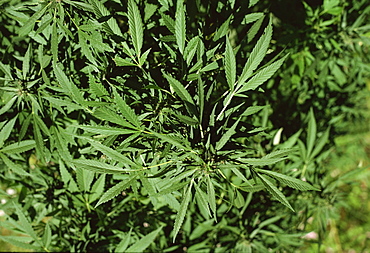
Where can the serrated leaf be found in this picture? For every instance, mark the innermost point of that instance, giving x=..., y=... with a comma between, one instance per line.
x=6, y=130
x=171, y=140
x=98, y=167
x=182, y=211
x=168, y=22
x=186, y=119
x=274, y=191
x=106, y=113
x=18, y=147
x=230, y=65
x=101, y=11
x=26, y=63
x=97, y=188
x=239, y=200
x=54, y=42
x=320, y=144
x=9, y=239
x=46, y=238
x=126, y=110
x=84, y=179
x=211, y=196
x=115, y=190
x=97, y=88
x=257, y=54
x=261, y=161
x=8, y=105
x=182, y=93
x=123, y=62
x=144, y=56
x=113, y=154
x=226, y=137
x=122, y=246
x=289, y=181
x=190, y=49
x=202, y=201
x=106, y=130
x=223, y=29
x=26, y=225
x=144, y=242
x=180, y=26
x=252, y=110
x=136, y=26
x=16, y=168
x=251, y=188
x=172, y=188
x=262, y=76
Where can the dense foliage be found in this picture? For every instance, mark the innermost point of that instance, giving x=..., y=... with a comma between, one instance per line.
x=175, y=125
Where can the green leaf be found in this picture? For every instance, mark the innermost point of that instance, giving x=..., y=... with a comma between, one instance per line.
x=190, y=49
x=26, y=63
x=9, y=239
x=28, y=26
x=168, y=139
x=123, y=62
x=136, y=26
x=46, y=238
x=262, y=76
x=230, y=65
x=226, y=137
x=97, y=188
x=6, y=130
x=26, y=225
x=211, y=196
x=239, y=200
x=183, y=208
x=107, y=113
x=311, y=133
x=106, y=130
x=98, y=167
x=97, y=88
x=202, y=201
x=115, y=190
x=186, y=119
x=180, y=26
x=8, y=105
x=223, y=29
x=122, y=246
x=54, y=41
x=274, y=191
x=144, y=242
x=84, y=179
x=252, y=110
x=320, y=144
x=257, y=55
x=168, y=22
x=289, y=181
x=182, y=93
x=19, y=147
x=101, y=11
x=113, y=154
x=126, y=110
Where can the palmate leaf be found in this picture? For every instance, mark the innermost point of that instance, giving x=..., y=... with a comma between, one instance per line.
x=136, y=26
x=289, y=181
x=274, y=191
x=11, y=240
x=223, y=29
x=180, y=26
x=262, y=76
x=84, y=179
x=126, y=110
x=108, y=114
x=144, y=242
x=183, y=208
x=97, y=188
x=115, y=190
x=230, y=65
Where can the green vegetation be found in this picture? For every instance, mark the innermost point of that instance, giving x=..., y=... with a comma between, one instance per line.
x=225, y=126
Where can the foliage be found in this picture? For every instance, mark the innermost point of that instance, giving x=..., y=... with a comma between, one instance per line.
x=126, y=123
